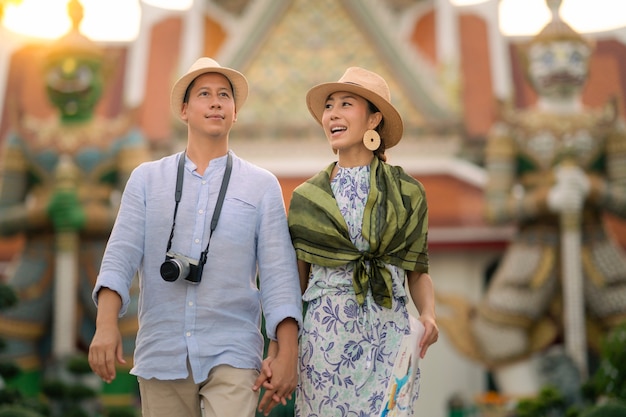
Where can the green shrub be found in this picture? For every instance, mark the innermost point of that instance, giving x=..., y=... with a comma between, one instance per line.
x=610, y=378
x=612, y=409
x=79, y=365
x=18, y=411
x=8, y=297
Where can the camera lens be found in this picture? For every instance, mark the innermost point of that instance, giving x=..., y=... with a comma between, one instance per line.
x=172, y=269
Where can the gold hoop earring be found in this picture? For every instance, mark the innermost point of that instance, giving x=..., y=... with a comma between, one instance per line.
x=371, y=140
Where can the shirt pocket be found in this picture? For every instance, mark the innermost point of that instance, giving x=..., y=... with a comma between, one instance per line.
x=236, y=228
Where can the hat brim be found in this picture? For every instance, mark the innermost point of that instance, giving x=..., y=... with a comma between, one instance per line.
x=237, y=81
x=392, y=129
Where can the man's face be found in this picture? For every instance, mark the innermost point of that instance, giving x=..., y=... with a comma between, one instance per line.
x=558, y=69
x=210, y=108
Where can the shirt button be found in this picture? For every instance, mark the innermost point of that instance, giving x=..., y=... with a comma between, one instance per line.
x=203, y=182
x=188, y=334
x=197, y=241
x=200, y=211
x=190, y=303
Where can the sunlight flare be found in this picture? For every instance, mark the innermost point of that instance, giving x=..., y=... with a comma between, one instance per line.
x=107, y=21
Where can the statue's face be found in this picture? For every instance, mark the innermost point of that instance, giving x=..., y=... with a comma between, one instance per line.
x=74, y=86
x=558, y=69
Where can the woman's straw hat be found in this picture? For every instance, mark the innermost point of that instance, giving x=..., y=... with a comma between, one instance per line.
x=203, y=66
x=371, y=87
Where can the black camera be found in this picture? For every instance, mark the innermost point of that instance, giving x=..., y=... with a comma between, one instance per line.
x=177, y=265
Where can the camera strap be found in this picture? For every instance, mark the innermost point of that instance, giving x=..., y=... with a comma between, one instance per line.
x=218, y=205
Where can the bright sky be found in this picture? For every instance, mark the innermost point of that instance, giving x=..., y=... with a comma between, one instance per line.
x=527, y=17
x=118, y=20
x=110, y=20
x=171, y=4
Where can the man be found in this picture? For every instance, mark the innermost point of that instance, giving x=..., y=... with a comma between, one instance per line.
x=199, y=346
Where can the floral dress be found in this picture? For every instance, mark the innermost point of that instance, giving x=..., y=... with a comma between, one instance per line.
x=347, y=351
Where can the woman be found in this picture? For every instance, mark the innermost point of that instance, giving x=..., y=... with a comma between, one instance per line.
x=360, y=229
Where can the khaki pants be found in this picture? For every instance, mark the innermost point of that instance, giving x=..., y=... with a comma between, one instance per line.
x=227, y=392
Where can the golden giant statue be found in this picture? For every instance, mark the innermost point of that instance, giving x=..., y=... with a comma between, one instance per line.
x=61, y=178
x=554, y=169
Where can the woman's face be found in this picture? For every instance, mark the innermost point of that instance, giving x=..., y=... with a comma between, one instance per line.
x=345, y=119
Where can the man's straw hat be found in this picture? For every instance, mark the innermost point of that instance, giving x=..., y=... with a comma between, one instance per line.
x=203, y=66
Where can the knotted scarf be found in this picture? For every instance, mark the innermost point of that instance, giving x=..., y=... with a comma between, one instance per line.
x=395, y=223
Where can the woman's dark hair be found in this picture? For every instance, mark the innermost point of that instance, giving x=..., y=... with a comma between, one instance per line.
x=380, y=152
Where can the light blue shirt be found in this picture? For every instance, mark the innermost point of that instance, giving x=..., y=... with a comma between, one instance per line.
x=216, y=321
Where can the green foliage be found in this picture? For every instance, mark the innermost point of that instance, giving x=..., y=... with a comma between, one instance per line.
x=527, y=408
x=588, y=390
x=611, y=409
x=10, y=395
x=573, y=412
x=54, y=389
x=8, y=297
x=9, y=370
x=18, y=411
x=12, y=402
x=57, y=390
x=79, y=392
x=608, y=381
x=36, y=406
x=610, y=378
x=121, y=412
x=549, y=402
x=79, y=365
x=75, y=412
x=67, y=395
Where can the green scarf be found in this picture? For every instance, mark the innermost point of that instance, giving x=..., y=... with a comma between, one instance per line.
x=395, y=223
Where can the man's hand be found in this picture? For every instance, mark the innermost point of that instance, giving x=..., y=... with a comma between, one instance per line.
x=263, y=381
x=104, y=351
x=279, y=371
x=279, y=378
x=106, y=346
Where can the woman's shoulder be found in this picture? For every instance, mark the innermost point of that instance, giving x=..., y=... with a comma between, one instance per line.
x=322, y=178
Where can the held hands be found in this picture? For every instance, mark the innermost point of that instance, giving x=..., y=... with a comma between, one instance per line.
x=66, y=212
x=279, y=378
x=570, y=191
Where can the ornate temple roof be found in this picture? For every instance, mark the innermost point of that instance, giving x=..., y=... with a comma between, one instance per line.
x=292, y=45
